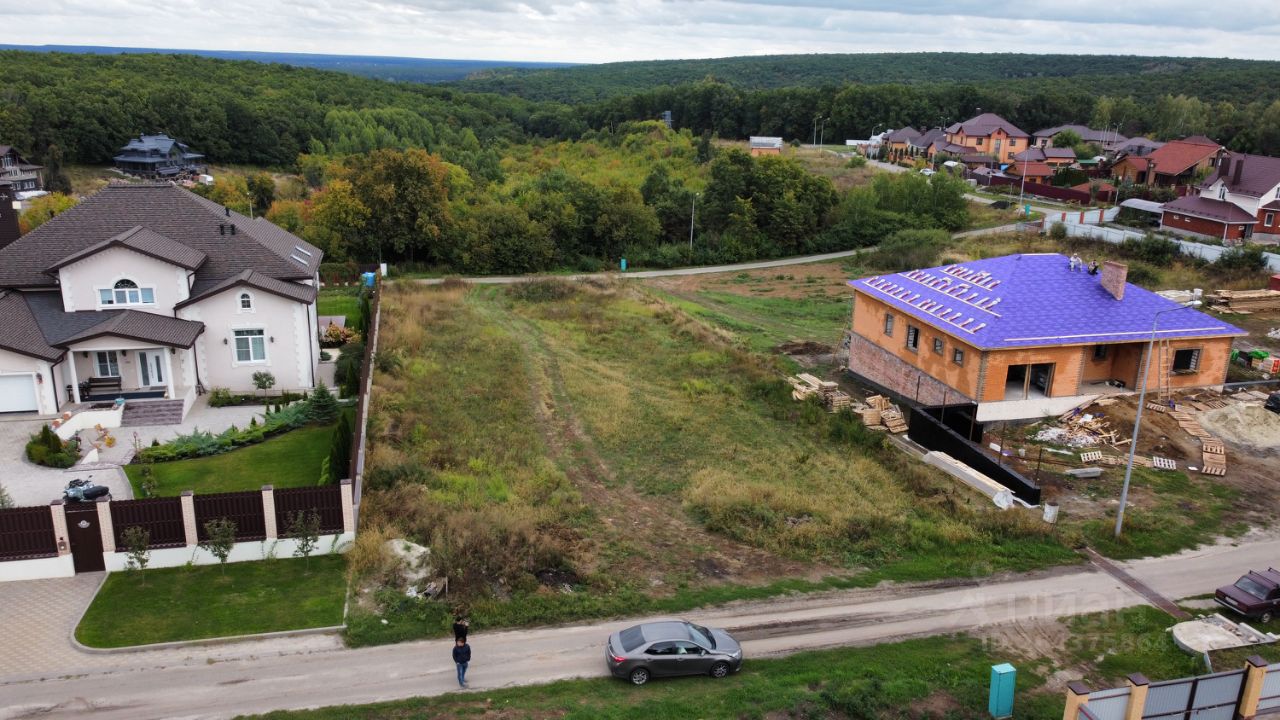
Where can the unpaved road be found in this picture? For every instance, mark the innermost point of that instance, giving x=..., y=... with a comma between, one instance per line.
x=257, y=681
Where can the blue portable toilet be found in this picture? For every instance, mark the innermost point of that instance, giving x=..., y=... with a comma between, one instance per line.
x=624, y=264
x=1002, y=680
x=367, y=278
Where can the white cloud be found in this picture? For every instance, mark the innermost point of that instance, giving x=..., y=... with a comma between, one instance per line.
x=610, y=30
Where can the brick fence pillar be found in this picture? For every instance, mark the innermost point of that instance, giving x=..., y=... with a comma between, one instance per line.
x=1255, y=672
x=105, y=525
x=348, y=508
x=58, y=510
x=269, y=512
x=1138, y=686
x=189, y=528
x=1077, y=697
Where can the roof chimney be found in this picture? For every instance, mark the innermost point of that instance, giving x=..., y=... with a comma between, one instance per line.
x=227, y=210
x=1235, y=178
x=1224, y=164
x=1113, y=277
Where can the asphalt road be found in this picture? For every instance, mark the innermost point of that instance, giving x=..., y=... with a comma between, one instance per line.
x=198, y=686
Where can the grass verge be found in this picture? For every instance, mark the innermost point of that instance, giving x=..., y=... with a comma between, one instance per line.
x=339, y=301
x=289, y=460
x=209, y=601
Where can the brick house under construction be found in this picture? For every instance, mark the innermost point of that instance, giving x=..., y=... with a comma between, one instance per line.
x=1026, y=335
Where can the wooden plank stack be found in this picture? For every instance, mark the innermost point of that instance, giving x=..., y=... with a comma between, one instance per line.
x=1244, y=302
x=805, y=386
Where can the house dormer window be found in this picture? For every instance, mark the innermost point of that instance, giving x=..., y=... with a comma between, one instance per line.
x=126, y=292
x=245, y=302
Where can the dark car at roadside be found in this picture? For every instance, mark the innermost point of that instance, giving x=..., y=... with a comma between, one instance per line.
x=1256, y=595
x=670, y=648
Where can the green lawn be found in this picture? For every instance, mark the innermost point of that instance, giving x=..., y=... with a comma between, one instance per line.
x=768, y=321
x=339, y=301
x=288, y=460
x=191, y=603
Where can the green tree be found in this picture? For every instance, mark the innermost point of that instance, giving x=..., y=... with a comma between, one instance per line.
x=304, y=530
x=339, y=220
x=43, y=209
x=220, y=539
x=262, y=191
x=340, y=448
x=407, y=195
x=322, y=408
x=137, y=543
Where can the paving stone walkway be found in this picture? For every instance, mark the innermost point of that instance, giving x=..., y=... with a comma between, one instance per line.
x=38, y=619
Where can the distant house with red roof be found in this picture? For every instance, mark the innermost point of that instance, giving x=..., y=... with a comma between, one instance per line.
x=898, y=142
x=1241, y=198
x=1175, y=163
x=1034, y=172
x=1051, y=156
x=990, y=135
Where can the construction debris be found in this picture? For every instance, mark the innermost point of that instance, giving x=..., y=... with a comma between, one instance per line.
x=1243, y=302
x=805, y=386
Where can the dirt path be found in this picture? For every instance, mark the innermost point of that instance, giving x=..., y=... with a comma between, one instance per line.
x=656, y=536
x=197, y=686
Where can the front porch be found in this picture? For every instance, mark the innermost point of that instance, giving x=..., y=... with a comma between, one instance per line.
x=152, y=379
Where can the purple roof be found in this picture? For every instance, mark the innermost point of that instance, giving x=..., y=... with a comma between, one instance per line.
x=1033, y=300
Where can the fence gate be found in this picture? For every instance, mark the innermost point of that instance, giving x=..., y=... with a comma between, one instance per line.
x=85, y=535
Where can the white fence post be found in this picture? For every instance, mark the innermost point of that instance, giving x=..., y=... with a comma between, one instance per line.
x=105, y=525
x=188, y=500
x=269, y=512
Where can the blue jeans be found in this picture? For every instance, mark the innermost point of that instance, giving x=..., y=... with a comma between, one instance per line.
x=462, y=674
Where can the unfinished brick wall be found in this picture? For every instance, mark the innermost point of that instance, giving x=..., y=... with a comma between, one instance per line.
x=884, y=368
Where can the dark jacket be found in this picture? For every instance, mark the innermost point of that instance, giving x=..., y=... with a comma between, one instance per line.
x=459, y=631
x=462, y=654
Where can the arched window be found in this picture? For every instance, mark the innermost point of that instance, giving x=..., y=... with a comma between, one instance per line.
x=246, y=301
x=127, y=292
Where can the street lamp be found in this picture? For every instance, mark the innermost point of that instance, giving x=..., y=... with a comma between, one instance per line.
x=1142, y=398
x=822, y=131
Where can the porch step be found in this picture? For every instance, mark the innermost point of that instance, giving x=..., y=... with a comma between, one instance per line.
x=152, y=412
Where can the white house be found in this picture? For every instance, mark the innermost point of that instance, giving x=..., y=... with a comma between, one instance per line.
x=1240, y=200
x=155, y=294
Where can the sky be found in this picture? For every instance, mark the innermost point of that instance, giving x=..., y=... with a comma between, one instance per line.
x=613, y=30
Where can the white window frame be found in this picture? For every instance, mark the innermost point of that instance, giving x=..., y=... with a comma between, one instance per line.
x=253, y=303
x=111, y=359
x=1268, y=219
x=235, y=347
x=99, y=289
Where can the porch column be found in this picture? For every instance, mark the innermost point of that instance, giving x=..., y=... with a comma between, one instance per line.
x=168, y=371
x=75, y=382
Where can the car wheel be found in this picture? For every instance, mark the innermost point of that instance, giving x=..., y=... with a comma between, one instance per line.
x=1265, y=617
x=719, y=670
x=639, y=676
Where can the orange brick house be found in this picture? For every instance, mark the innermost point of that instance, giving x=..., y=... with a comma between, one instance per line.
x=1025, y=335
x=989, y=134
x=1177, y=162
x=1241, y=199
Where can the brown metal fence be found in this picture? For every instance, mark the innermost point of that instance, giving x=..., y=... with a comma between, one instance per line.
x=326, y=501
x=242, y=508
x=161, y=517
x=356, y=470
x=26, y=533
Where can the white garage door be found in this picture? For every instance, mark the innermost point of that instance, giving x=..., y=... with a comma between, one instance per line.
x=17, y=393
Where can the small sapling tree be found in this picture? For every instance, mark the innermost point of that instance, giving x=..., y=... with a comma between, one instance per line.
x=137, y=543
x=221, y=538
x=304, y=528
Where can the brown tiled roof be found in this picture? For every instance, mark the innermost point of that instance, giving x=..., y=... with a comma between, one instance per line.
x=1177, y=156
x=985, y=124
x=928, y=137
x=169, y=211
x=1086, y=133
x=21, y=331
x=1210, y=209
x=145, y=241
x=1259, y=174
x=906, y=134
x=251, y=278
x=60, y=329
x=1029, y=169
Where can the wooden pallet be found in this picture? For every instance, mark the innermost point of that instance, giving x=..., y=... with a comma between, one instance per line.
x=1213, y=446
x=1091, y=456
x=1218, y=470
x=1111, y=460
x=1164, y=463
x=1158, y=407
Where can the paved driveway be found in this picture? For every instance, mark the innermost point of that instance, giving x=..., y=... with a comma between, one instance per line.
x=31, y=484
x=38, y=619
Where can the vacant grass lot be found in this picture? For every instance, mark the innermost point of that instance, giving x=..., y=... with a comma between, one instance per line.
x=291, y=459
x=599, y=438
x=208, y=601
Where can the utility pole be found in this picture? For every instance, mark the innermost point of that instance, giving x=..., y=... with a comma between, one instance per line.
x=693, y=213
x=822, y=131
x=1137, y=422
x=814, y=142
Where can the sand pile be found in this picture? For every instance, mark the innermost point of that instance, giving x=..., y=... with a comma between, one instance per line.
x=1245, y=424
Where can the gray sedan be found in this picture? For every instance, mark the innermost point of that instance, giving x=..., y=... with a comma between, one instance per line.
x=670, y=648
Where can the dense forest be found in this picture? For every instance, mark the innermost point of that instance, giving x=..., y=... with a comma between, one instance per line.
x=1213, y=78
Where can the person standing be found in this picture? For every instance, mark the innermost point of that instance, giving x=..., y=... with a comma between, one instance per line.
x=460, y=627
x=462, y=658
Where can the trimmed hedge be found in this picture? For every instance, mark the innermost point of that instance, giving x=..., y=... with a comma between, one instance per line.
x=46, y=448
x=202, y=442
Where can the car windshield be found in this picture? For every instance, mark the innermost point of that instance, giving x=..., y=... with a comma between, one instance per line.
x=701, y=635
x=631, y=638
x=1252, y=587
